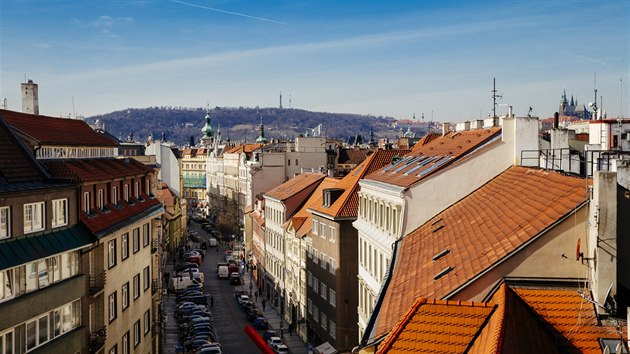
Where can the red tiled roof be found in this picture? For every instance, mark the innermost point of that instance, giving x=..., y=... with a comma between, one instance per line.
x=90, y=170
x=193, y=152
x=302, y=220
x=572, y=318
x=352, y=156
x=433, y=154
x=56, y=131
x=478, y=231
x=436, y=326
x=246, y=148
x=294, y=185
x=16, y=163
x=102, y=221
x=347, y=205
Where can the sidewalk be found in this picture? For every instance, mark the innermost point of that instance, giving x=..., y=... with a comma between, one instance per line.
x=295, y=344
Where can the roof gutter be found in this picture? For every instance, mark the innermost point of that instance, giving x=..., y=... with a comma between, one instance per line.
x=518, y=249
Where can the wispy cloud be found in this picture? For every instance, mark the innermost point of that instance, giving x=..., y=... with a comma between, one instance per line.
x=229, y=12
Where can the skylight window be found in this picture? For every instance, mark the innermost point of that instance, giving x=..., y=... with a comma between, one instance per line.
x=441, y=254
x=442, y=273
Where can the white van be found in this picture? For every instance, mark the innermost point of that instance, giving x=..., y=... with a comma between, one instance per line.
x=181, y=282
x=223, y=271
x=212, y=242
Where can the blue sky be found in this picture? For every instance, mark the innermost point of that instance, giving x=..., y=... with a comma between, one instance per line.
x=392, y=58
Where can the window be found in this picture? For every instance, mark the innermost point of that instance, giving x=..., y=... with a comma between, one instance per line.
x=6, y=342
x=315, y=313
x=322, y=231
x=332, y=267
x=31, y=335
x=114, y=349
x=33, y=217
x=146, y=234
x=323, y=291
x=124, y=246
x=310, y=279
x=323, y=260
x=324, y=321
x=115, y=195
x=7, y=284
x=332, y=297
x=332, y=329
x=5, y=223
x=126, y=192
x=111, y=254
x=136, y=240
x=125, y=296
x=289, y=162
x=315, y=256
x=147, y=321
x=136, y=190
x=315, y=227
x=59, y=212
x=332, y=236
x=112, y=307
x=147, y=282
x=296, y=162
x=125, y=343
x=315, y=284
x=136, y=286
x=136, y=333
x=101, y=205
x=310, y=306
x=86, y=202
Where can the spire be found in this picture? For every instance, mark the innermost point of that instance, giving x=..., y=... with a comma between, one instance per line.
x=372, y=142
x=572, y=103
x=207, y=128
x=261, y=138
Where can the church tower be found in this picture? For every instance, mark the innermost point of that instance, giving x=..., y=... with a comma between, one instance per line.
x=261, y=137
x=207, y=137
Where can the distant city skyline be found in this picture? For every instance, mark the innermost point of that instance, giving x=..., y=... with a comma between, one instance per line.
x=367, y=57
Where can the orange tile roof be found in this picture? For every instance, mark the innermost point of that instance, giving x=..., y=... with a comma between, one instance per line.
x=572, y=318
x=57, y=131
x=433, y=154
x=347, y=205
x=246, y=148
x=90, y=170
x=478, y=231
x=294, y=185
x=436, y=326
x=302, y=220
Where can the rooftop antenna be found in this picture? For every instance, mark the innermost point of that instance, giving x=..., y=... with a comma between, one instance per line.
x=74, y=113
x=620, y=97
x=594, y=104
x=494, y=97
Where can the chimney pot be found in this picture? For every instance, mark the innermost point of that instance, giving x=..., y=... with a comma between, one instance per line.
x=446, y=128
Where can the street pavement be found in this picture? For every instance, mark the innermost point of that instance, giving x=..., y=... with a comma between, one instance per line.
x=229, y=320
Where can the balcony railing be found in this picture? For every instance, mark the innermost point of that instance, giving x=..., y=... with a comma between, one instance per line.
x=155, y=286
x=582, y=163
x=97, y=283
x=97, y=339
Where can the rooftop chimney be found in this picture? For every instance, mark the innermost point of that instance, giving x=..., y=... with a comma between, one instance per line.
x=30, y=99
x=446, y=128
x=556, y=120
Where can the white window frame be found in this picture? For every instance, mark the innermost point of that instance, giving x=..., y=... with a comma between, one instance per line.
x=60, y=212
x=34, y=211
x=124, y=246
x=315, y=227
x=146, y=234
x=332, y=297
x=323, y=290
x=125, y=343
x=101, y=199
x=126, y=192
x=332, y=329
x=111, y=253
x=125, y=296
x=147, y=276
x=332, y=238
x=86, y=202
x=137, y=333
x=115, y=195
x=322, y=261
x=332, y=265
x=322, y=230
x=147, y=322
x=135, y=240
x=112, y=306
x=136, y=191
x=136, y=286
x=5, y=222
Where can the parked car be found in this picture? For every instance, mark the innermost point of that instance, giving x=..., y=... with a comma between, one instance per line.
x=254, y=314
x=235, y=278
x=274, y=341
x=280, y=349
x=184, y=266
x=198, y=299
x=238, y=293
x=243, y=298
x=248, y=306
x=268, y=334
x=260, y=323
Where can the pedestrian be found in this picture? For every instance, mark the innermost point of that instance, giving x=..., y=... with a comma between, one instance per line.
x=256, y=295
x=211, y=301
x=264, y=303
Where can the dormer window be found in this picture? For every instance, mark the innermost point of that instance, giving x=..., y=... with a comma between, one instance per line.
x=115, y=195
x=331, y=195
x=136, y=190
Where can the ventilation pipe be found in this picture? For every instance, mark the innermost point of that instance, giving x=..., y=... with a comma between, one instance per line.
x=509, y=111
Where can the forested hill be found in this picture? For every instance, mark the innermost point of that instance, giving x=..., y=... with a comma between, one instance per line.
x=179, y=124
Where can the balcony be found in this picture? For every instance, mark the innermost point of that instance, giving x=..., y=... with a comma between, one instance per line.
x=154, y=245
x=97, y=283
x=155, y=286
x=97, y=340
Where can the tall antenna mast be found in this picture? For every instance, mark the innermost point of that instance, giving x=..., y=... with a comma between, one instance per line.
x=595, y=89
x=74, y=113
x=620, y=97
x=494, y=97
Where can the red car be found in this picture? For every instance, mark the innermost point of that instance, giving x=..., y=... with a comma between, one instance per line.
x=194, y=259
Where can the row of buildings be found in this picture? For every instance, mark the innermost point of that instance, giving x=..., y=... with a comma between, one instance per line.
x=469, y=221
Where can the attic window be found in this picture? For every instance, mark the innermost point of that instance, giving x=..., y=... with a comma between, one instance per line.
x=437, y=228
x=331, y=195
x=442, y=273
x=614, y=344
x=441, y=254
